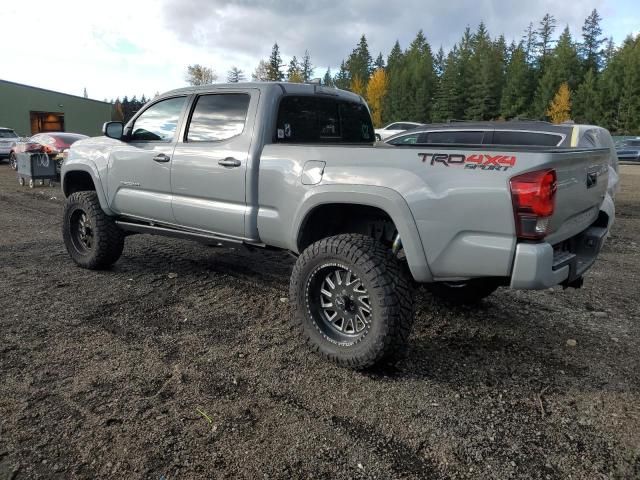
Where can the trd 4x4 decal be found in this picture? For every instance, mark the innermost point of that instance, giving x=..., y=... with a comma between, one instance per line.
x=476, y=161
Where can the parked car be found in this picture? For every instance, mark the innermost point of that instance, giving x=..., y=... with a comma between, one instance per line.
x=8, y=137
x=531, y=133
x=394, y=128
x=53, y=144
x=629, y=150
x=294, y=167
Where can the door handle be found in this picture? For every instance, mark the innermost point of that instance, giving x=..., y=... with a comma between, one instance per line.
x=161, y=158
x=230, y=162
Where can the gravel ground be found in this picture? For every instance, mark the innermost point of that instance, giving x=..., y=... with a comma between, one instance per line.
x=180, y=363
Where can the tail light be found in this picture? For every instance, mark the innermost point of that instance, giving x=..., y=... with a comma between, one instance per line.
x=533, y=195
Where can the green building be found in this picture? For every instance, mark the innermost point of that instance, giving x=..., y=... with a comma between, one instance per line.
x=30, y=110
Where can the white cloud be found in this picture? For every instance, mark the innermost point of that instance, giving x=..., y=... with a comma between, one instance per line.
x=123, y=47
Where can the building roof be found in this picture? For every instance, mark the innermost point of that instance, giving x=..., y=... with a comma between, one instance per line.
x=52, y=91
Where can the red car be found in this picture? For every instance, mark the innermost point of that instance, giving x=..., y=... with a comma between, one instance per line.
x=51, y=143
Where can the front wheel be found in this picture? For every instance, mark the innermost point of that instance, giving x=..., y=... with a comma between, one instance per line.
x=352, y=300
x=91, y=237
x=13, y=161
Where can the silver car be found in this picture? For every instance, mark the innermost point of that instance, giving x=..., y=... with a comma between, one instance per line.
x=7, y=138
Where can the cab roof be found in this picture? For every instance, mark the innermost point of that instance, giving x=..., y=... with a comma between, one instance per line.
x=280, y=88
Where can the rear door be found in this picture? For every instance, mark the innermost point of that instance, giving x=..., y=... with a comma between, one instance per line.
x=139, y=178
x=210, y=162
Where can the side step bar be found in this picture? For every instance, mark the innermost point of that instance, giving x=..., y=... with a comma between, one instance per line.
x=175, y=233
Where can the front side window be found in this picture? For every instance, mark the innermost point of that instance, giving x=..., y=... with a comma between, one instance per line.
x=393, y=126
x=159, y=121
x=315, y=119
x=218, y=117
x=469, y=137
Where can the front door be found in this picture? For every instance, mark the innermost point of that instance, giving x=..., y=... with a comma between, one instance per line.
x=139, y=184
x=210, y=162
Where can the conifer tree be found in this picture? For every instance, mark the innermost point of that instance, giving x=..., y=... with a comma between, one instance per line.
x=563, y=65
x=592, y=41
x=328, y=79
x=586, y=103
x=274, y=65
x=343, y=79
x=235, y=75
x=360, y=62
x=544, y=43
x=294, y=72
x=516, y=95
x=306, y=68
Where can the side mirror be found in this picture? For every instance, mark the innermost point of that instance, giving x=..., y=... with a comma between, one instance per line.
x=113, y=130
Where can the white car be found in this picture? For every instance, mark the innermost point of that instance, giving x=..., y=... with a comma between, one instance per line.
x=7, y=138
x=394, y=128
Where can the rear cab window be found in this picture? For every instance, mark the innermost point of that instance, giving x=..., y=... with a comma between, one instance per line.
x=321, y=120
x=505, y=137
x=470, y=137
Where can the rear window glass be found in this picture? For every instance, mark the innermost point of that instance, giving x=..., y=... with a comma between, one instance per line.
x=218, y=117
x=501, y=137
x=631, y=143
x=314, y=119
x=7, y=134
x=449, y=136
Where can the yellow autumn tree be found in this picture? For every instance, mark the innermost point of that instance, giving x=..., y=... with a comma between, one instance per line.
x=376, y=91
x=357, y=85
x=295, y=77
x=560, y=107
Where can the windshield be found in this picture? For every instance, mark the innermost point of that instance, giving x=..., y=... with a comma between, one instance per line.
x=631, y=143
x=5, y=133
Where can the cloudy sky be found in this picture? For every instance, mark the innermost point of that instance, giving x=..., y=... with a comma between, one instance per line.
x=127, y=47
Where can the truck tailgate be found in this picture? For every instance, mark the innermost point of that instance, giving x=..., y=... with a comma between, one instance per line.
x=582, y=178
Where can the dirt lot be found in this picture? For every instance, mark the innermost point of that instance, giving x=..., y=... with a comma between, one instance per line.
x=180, y=363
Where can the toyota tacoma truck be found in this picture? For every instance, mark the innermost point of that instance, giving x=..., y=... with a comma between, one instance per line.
x=294, y=167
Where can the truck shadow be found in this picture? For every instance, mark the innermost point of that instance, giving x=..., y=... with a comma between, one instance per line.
x=496, y=345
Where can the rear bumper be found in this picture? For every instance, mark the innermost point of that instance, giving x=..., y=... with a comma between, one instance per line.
x=542, y=265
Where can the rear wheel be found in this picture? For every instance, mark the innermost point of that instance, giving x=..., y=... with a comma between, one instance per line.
x=352, y=300
x=91, y=237
x=464, y=293
x=13, y=161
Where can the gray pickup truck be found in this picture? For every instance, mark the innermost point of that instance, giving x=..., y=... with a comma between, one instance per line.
x=294, y=167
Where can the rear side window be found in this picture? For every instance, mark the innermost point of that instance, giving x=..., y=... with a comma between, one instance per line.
x=314, y=119
x=218, y=117
x=502, y=137
x=452, y=136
